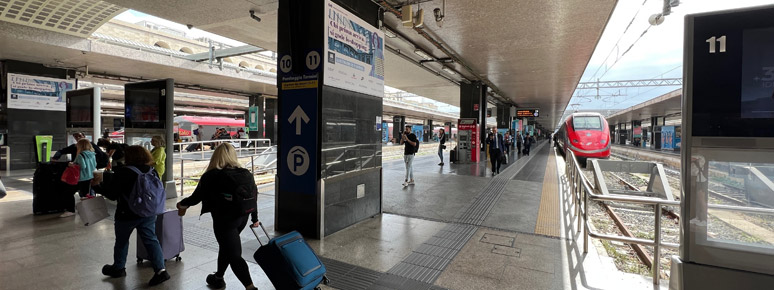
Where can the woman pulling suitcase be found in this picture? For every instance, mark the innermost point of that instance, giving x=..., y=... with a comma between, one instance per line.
x=228, y=192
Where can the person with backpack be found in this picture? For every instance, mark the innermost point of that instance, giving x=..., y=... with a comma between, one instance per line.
x=141, y=198
x=228, y=192
x=410, y=147
x=87, y=163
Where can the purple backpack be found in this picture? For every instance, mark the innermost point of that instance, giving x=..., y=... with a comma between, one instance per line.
x=148, y=196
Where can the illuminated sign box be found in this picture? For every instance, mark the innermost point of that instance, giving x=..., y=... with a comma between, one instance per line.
x=527, y=113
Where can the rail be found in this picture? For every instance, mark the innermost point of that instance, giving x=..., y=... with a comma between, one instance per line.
x=265, y=151
x=244, y=145
x=580, y=188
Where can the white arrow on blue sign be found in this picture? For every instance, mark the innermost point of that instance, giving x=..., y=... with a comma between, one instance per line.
x=298, y=116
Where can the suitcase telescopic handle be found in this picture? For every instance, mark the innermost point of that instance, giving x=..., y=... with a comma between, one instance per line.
x=260, y=224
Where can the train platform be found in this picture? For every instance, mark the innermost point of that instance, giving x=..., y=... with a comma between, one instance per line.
x=458, y=227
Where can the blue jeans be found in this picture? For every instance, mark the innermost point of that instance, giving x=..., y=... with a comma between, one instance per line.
x=146, y=228
x=409, y=160
x=440, y=152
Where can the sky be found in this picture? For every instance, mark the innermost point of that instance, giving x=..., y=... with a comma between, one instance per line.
x=657, y=54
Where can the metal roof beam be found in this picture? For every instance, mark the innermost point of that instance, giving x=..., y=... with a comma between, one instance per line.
x=630, y=84
x=225, y=52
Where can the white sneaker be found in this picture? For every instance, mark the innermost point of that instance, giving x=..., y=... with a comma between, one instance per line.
x=405, y=183
x=411, y=182
x=67, y=214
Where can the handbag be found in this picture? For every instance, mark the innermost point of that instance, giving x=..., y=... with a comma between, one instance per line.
x=92, y=210
x=443, y=146
x=72, y=174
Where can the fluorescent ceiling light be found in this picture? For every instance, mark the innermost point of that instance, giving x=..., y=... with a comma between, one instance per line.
x=449, y=71
x=389, y=33
x=424, y=55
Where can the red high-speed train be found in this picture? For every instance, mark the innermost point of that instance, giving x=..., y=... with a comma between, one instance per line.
x=586, y=134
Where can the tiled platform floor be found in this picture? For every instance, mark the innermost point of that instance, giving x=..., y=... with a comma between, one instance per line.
x=415, y=245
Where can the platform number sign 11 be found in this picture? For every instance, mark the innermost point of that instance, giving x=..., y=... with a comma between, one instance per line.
x=714, y=41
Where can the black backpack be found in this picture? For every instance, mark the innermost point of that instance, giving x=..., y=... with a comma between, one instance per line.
x=102, y=159
x=416, y=148
x=244, y=197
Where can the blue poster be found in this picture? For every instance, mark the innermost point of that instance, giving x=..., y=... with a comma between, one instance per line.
x=668, y=137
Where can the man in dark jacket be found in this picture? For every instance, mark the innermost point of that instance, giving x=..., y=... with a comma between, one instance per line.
x=495, y=142
x=72, y=150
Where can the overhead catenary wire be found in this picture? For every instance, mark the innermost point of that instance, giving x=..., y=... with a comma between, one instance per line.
x=618, y=41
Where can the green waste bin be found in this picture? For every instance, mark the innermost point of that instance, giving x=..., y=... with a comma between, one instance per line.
x=43, y=145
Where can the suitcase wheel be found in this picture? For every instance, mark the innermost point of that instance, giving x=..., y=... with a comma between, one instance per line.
x=326, y=281
x=178, y=258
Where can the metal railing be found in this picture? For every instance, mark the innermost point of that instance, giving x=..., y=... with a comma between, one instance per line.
x=264, y=151
x=250, y=144
x=580, y=188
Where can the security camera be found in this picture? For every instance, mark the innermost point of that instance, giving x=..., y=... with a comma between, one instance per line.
x=253, y=16
x=438, y=14
x=656, y=19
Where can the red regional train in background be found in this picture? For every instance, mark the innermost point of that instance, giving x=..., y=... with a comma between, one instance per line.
x=586, y=134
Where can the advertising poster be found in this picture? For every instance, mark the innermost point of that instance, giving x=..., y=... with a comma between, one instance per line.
x=38, y=93
x=354, y=53
x=668, y=137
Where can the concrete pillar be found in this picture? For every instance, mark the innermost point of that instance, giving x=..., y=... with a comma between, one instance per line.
x=270, y=118
x=428, y=130
x=473, y=105
x=307, y=198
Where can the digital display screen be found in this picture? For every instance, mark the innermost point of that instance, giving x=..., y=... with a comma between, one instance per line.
x=758, y=73
x=731, y=67
x=143, y=106
x=527, y=113
x=79, y=109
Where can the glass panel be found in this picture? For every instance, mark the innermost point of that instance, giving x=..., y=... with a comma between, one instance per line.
x=586, y=123
x=748, y=185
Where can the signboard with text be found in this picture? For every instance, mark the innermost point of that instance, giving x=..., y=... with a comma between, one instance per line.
x=37, y=93
x=354, y=52
x=524, y=113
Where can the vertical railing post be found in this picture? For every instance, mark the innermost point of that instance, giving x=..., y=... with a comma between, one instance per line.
x=581, y=215
x=585, y=220
x=657, y=246
x=182, y=178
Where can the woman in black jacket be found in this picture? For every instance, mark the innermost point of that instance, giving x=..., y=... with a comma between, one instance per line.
x=119, y=188
x=223, y=177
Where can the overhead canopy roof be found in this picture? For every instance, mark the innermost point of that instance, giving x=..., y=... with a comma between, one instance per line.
x=534, y=52
x=664, y=105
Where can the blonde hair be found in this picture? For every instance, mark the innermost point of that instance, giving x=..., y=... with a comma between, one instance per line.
x=224, y=157
x=158, y=141
x=83, y=145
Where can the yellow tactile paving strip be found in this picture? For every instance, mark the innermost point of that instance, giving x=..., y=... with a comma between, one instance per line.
x=548, y=215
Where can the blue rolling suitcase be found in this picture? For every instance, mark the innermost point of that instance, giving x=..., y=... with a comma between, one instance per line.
x=289, y=262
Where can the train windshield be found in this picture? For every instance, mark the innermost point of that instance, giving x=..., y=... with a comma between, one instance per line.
x=586, y=123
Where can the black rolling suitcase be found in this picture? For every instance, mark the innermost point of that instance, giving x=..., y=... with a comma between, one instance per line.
x=49, y=193
x=453, y=156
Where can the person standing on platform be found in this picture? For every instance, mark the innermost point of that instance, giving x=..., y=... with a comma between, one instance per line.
x=224, y=179
x=519, y=142
x=126, y=220
x=528, y=143
x=409, y=142
x=495, y=142
x=441, y=144
x=87, y=162
x=159, y=154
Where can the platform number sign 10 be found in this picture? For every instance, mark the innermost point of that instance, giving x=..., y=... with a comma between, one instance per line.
x=713, y=41
x=286, y=64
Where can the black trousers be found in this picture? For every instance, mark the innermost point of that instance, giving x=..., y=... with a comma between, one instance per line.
x=230, y=247
x=494, y=157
